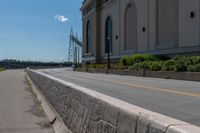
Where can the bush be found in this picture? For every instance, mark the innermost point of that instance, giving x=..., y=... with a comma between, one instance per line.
x=156, y=66
x=187, y=63
x=141, y=65
x=137, y=58
x=187, y=60
x=196, y=60
x=169, y=65
x=126, y=61
x=180, y=67
x=150, y=62
x=195, y=68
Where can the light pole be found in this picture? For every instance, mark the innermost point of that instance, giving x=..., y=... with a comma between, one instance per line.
x=108, y=60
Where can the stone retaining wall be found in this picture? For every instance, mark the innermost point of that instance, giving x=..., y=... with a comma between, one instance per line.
x=87, y=111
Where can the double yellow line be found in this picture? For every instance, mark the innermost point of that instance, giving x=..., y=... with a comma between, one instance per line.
x=139, y=86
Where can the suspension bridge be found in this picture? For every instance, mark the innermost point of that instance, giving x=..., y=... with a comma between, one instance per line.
x=75, y=48
x=74, y=53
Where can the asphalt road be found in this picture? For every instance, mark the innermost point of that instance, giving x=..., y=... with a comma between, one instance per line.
x=174, y=98
x=20, y=112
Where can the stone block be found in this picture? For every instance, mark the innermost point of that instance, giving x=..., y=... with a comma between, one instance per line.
x=75, y=119
x=95, y=127
x=127, y=122
x=111, y=114
x=158, y=126
x=108, y=128
x=78, y=125
x=183, y=129
x=78, y=108
x=143, y=123
x=97, y=111
x=85, y=116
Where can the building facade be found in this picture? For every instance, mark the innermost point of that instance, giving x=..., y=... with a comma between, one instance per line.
x=126, y=27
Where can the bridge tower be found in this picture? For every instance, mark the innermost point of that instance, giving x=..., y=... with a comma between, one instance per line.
x=75, y=48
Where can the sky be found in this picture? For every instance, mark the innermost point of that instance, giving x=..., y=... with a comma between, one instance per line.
x=38, y=30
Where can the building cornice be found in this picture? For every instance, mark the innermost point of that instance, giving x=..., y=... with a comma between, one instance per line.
x=85, y=3
x=91, y=12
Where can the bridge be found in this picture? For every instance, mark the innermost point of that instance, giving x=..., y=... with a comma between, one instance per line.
x=75, y=48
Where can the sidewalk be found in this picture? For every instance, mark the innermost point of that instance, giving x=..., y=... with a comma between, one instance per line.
x=20, y=112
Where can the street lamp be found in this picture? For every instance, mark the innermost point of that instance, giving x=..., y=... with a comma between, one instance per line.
x=108, y=60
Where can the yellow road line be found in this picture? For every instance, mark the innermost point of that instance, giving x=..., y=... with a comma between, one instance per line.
x=182, y=93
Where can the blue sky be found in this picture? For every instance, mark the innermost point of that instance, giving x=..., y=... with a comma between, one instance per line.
x=37, y=29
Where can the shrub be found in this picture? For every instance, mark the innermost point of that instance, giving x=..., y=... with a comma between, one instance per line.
x=150, y=62
x=156, y=66
x=195, y=68
x=187, y=60
x=194, y=60
x=169, y=65
x=141, y=65
x=197, y=60
x=126, y=61
x=180, y=67
x=137, y=58
x=190, y=68
x=123, y=60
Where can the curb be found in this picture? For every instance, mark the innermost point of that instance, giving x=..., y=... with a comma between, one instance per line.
x=53, y=117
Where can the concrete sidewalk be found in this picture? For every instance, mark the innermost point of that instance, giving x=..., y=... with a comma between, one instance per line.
x=20, y=112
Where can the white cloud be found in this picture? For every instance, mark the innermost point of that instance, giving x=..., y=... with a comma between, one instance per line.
x=61, y=18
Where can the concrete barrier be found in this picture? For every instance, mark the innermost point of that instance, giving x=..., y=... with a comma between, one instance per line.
x=87, y=111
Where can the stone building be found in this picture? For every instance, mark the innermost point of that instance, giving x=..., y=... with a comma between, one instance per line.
x=160, y=27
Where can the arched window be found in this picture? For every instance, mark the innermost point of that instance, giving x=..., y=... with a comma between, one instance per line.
x=130, y=22
x=88, y=37
x=108, y=35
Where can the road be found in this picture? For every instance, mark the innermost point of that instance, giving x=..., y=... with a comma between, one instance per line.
x=20, y=112
x=174, y=98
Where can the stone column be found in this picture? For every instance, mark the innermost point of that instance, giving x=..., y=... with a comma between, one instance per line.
x=98, y=31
